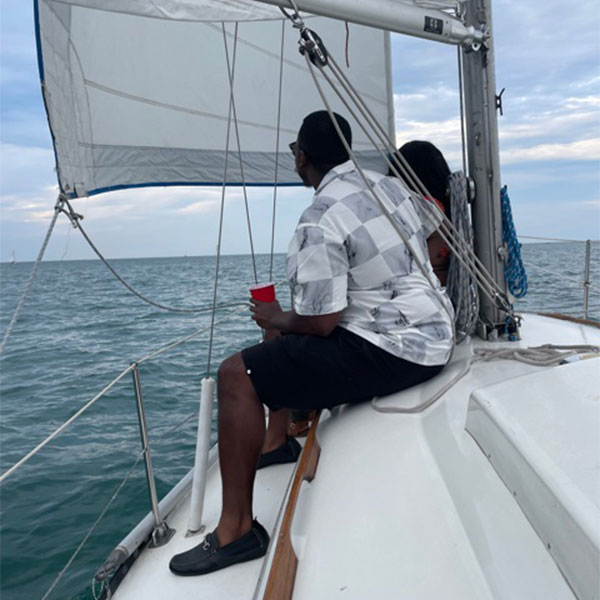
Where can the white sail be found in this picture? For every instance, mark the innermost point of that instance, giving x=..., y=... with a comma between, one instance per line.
x=138, y=93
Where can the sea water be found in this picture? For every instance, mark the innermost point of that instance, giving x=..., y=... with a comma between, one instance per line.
x=78, y=330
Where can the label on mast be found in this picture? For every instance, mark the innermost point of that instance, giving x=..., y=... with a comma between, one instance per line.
x=433, y=25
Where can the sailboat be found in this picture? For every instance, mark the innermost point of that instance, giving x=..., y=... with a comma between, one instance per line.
x=481, y=483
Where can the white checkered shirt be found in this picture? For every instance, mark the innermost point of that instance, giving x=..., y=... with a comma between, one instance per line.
x=346, y=256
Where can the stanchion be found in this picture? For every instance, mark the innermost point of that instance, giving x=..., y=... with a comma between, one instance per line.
x=201, y=462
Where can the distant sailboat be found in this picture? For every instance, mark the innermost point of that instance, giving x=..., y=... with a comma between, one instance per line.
x=12, y=258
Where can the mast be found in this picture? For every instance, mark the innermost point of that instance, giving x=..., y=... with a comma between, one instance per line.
x=484, y=160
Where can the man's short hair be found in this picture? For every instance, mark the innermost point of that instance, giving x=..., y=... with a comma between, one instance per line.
x=320, y=141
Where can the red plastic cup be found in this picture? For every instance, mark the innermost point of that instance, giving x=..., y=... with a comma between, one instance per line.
x=265, y=292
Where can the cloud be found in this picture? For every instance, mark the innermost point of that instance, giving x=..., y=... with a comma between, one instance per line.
x=580, y=150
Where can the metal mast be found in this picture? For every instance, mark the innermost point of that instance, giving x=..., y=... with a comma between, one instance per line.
x=484, y=159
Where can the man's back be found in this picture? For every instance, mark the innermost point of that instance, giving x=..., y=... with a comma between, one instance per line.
x=346, y=255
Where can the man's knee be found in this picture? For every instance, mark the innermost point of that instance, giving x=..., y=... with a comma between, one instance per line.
x=231, y=370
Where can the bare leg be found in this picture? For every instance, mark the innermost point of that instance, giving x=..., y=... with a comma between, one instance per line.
x=277, y=429
x=241, y=436
x=278, y=421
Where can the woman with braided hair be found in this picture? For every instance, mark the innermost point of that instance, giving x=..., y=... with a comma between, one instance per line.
x=431, y=168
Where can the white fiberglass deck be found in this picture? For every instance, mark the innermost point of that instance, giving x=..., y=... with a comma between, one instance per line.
x=402, y=506
x=541, y=432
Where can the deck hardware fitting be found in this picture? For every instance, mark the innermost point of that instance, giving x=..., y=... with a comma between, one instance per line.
x=499, y=102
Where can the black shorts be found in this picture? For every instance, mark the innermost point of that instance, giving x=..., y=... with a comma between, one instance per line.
x=306, y=372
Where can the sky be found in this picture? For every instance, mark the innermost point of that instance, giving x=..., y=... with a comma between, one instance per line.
x=547, y=58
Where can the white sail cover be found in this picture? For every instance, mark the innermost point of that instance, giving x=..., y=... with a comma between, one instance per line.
x=138, y=93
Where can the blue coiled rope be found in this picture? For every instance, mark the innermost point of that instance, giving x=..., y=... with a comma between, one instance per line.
x=516, y=277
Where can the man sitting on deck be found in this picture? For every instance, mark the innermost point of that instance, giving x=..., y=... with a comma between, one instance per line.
x=365, y=322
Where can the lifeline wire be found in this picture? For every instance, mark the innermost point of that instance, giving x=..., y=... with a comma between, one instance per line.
x=561, y=276
x=57, y=210
x=108, y=387
x=94, y=525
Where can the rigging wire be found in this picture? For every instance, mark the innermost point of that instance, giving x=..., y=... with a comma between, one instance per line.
x=277, y=150
x=461, y=95
x=11, y=325
x=231, y=71
x=447, y=230
x=221, y=214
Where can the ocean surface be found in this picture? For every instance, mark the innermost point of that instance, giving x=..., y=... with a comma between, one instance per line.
x=78, y=330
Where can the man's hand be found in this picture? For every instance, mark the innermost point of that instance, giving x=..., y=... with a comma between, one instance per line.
x=269, y=316
x=264, y=313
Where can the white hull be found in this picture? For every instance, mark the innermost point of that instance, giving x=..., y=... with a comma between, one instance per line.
x=408, y=506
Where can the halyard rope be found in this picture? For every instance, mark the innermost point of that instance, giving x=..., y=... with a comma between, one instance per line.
x=516, y=277
x=446, y=229
x=76, y=222
x=461, y=285
x=462, y=107
x=372, y=191
x=469, y=257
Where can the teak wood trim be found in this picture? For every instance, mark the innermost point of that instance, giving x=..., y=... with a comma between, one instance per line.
x=280, y=584
x=572, y=319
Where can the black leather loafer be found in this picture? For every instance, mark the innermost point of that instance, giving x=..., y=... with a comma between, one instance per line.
x=209, y=556
x=287, y=453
